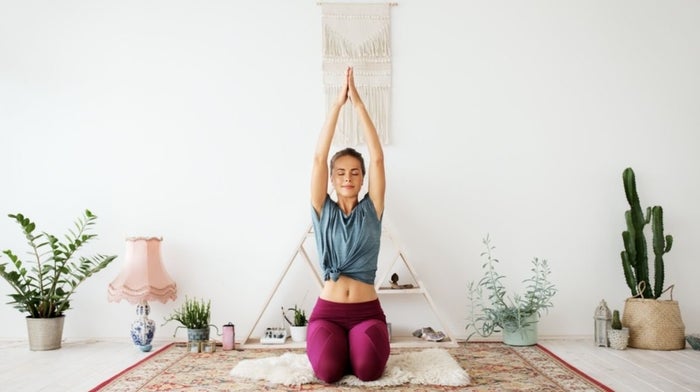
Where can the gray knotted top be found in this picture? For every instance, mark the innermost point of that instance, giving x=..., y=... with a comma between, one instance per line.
x=348, y=245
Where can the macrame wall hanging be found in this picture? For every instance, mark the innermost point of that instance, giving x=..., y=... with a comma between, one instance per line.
x=358, y=35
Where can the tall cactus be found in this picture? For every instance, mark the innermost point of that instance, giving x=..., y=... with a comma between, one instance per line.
x=661, y=244
x=635, y=262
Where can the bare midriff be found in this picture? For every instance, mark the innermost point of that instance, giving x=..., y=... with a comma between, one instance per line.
x=348, y=290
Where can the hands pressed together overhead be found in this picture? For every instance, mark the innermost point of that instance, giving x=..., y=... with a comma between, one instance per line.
x=349, y=90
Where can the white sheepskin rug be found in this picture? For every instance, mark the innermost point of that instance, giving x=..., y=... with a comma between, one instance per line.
x=432, y=366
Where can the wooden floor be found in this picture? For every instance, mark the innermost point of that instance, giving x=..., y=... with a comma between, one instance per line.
x=631, y=369
x=82, y=365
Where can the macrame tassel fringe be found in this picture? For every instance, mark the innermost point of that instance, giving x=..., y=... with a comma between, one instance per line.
x=358, y=35
x=349, y=130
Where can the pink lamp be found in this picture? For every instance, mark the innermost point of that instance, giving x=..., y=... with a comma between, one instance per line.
x=143, y=278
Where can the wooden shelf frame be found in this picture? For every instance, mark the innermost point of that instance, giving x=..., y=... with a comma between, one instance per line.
x=396, y=341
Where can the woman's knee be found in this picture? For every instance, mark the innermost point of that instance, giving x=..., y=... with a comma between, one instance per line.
x=371, y=331
x=369, y=349
x=327, y=350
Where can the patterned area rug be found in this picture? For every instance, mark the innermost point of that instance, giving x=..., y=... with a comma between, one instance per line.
x=491, y=367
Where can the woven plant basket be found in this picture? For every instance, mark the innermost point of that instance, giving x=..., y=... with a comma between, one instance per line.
x=654, y=324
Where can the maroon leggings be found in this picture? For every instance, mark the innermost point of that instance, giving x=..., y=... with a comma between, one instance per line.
x=347, y=338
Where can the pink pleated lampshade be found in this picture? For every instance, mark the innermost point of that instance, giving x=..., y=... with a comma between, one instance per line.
x=143, y=276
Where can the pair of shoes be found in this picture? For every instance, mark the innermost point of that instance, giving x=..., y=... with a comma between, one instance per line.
x=429, y=334
x=420, y=332
x=435, y=336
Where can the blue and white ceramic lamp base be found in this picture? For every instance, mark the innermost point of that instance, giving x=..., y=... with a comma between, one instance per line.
x=143, y=328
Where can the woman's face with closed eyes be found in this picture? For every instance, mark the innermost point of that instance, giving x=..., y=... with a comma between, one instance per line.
x=346, y=176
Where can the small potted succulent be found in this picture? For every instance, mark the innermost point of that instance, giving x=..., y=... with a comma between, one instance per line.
x=618, y=336
x=297, y=324
x=195, y=315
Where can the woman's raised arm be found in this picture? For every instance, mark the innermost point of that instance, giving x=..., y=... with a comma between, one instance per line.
x=377, y=179
x=319, y=171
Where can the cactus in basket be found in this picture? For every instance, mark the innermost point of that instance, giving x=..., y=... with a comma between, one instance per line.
x=635, y=261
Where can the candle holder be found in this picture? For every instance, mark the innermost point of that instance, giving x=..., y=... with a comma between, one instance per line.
x=602, y=323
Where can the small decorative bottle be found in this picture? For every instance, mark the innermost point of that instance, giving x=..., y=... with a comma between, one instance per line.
x=229, y=338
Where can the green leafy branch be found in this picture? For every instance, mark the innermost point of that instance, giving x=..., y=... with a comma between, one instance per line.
x=45, y=283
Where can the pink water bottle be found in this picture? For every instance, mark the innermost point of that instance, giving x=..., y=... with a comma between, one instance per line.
x=229, y=337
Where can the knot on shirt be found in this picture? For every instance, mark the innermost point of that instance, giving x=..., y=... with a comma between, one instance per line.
x=334, y=273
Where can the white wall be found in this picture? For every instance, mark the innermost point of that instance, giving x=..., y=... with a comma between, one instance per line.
x=196, y=121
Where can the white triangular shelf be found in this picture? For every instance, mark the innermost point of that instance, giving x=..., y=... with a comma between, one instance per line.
x=418, y=289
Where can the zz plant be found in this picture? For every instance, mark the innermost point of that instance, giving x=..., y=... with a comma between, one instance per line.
x=46, y=280
x=635, y=263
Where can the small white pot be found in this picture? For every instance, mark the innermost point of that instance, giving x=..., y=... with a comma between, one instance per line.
x=298, y=333
x=618, y=338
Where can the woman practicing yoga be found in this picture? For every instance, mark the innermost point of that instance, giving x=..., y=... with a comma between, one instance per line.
x=347, y=331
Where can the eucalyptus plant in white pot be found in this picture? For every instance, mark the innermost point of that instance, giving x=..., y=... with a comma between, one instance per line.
x=46, y=280
x=516, y=316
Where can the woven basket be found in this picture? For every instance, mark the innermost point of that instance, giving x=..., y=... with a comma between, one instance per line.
x=654, y=324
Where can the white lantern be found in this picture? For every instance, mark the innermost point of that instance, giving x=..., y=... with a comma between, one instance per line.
x=603, y=319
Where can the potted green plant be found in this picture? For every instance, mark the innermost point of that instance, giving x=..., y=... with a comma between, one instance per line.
x=516, y=316
x=194, y=315
x=618, y=336
x=298, y=326
x=44, y=283
x=653, y=323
